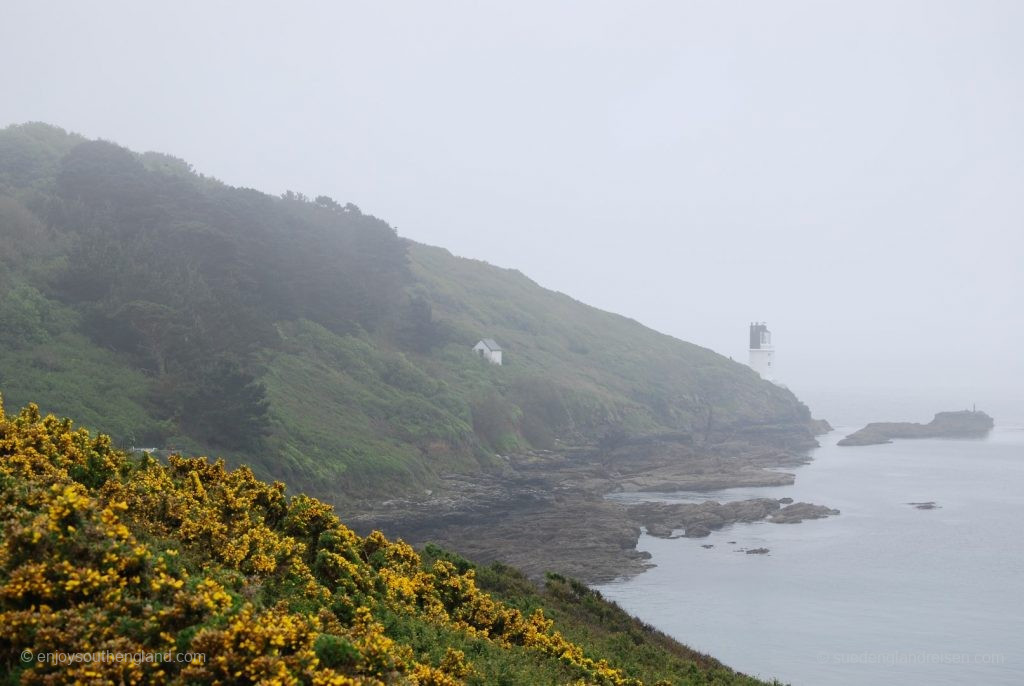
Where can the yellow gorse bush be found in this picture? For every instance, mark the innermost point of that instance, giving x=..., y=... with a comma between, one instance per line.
x=101, y=551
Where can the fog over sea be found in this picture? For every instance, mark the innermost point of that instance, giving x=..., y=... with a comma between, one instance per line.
x=882, y=593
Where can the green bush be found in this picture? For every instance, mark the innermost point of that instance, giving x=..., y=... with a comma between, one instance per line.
x=335, y=651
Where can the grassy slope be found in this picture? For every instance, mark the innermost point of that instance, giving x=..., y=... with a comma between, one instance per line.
x=362, y=413
x=585, y=617
x=355, y=411
x=67, y=371
x=44, y=359
x=649, y=379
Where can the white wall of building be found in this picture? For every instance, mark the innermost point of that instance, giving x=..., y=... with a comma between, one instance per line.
x=762, y=361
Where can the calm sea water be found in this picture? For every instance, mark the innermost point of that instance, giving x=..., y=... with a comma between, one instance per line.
x=883, y=593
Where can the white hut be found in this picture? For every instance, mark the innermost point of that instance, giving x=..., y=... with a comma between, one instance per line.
x=489, y=350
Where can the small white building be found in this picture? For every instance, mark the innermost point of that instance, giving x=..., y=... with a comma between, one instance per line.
x=489, y=350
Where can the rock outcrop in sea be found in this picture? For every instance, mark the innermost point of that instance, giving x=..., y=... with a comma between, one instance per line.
x=698, y=520
x=961, y=424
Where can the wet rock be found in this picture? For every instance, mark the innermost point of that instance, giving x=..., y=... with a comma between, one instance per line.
x=757, y=551
x=798, y=512
x=696, y=518
x=546, y=511
x=708, y=545
x=930, y=505
x=785, y=501
x=659, y=530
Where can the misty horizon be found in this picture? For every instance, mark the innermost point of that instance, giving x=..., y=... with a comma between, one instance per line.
x=848, y=181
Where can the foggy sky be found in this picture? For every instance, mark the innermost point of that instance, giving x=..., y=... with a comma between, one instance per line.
x=850, y=172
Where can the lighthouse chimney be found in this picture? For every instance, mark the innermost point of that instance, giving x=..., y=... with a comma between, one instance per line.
x=762, y=353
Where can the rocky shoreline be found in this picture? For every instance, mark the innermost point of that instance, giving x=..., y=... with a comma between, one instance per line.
x=697, y=520
x=548, y=510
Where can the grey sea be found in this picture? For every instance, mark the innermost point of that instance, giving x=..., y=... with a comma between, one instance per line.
x=884, y=593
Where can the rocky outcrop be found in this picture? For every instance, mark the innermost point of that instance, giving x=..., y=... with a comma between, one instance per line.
x=700, y=519
x=962, y=424
x=820, y=427
x=798, y=512
x=547, y=511
x=663, y=531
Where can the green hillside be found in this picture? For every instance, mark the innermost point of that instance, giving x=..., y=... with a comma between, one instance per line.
x=173, y=311
x=102, y=553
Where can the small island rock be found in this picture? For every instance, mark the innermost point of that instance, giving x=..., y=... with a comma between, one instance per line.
x=962, y=424
x=798, y=512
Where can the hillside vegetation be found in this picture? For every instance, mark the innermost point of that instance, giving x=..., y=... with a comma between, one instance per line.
x=176, y=312
x=103, y=552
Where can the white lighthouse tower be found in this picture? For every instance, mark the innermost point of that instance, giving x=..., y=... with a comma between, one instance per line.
x=762, y=352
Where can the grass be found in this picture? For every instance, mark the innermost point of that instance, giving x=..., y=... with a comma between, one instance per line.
x=586, y=618
x=363, y=413
x=69, y=376
x=353, y=415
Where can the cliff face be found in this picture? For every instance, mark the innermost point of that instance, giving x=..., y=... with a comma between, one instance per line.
x=959, y=424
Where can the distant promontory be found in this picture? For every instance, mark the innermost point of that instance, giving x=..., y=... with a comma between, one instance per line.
x=961, y=424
